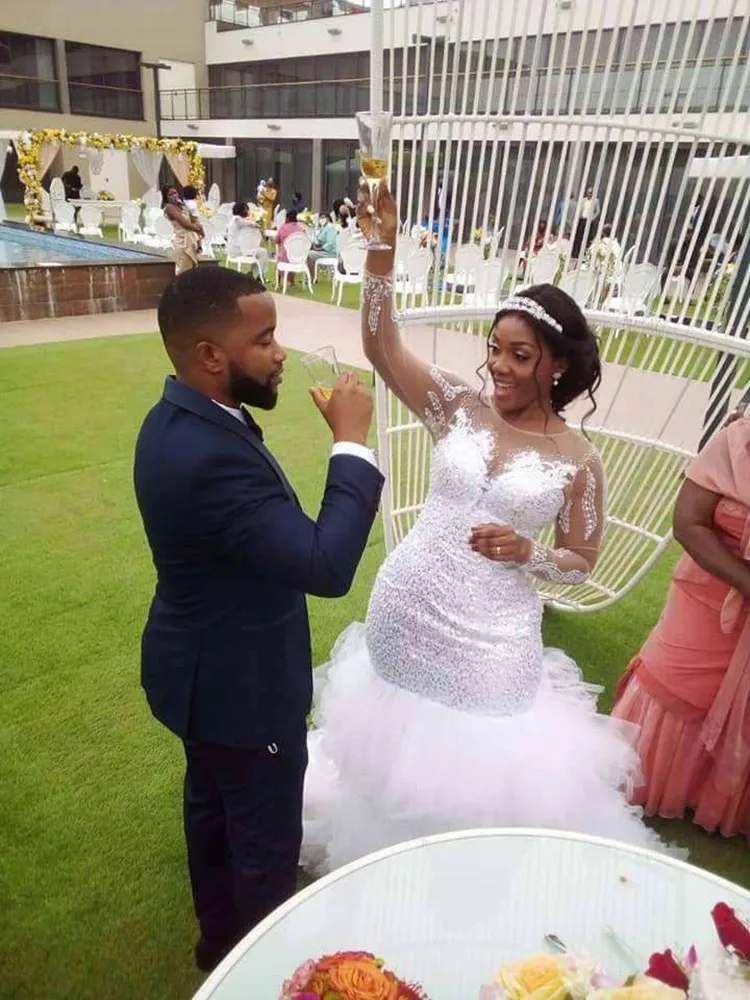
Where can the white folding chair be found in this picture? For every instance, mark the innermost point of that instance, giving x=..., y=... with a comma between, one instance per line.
x=279, y=217
x=46, y=205
x=163, y=235
x=325, y=263
x=543, y=268
x=353, y=261
x=226, y=208
x=249, y=250
x=129, y=226
x=214, y=197
x=296, y=247
x=57, y=189
x=489, y=284
x=638, y=287
x=405, y=247
x=150, y=216
x=152, y=198
x=415, y=275
x=495, y=241
x=579, y=285
x=90, y=218
x=215, y=230
x=469, y=258
x=65, y=217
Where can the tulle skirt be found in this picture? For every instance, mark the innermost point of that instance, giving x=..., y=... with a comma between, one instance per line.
x=388, y=765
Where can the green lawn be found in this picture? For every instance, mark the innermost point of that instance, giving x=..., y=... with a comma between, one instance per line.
x=95, y=901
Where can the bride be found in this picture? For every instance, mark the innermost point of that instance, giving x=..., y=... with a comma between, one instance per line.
x=444, y=711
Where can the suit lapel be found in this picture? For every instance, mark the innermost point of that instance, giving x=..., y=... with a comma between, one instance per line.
x=195, y=402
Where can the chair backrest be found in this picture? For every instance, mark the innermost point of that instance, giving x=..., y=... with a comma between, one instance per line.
x=46, y=202
x=130, y=214
x=469, y=258
x=63, y=211
x=248, y=241
x=57, y=189
x=353, y=258
x=219, y=226
x=152, y=198
x=418, y=265
x=226, y=208
x=491, y=278
x=346, y=236
x=628, y=256
x=297, y=247
x=579, y=284
x=90, y=216
x=544, y=267
x=214, y=196
x=163, y=228
x=279, y=217
x=640, y=282
x=405, y=247
x=151, y=215
x=496, y=240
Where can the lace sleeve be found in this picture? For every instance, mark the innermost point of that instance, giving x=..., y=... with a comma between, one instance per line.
x=431, y=394
x=579, y=529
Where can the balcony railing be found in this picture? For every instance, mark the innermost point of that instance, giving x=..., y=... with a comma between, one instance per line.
x=229, y=14
x=343, y=98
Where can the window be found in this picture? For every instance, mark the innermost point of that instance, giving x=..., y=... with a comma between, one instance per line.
x=104, y=82
x=28, y=72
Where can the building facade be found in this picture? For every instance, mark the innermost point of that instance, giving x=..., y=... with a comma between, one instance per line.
x=285, y=78
x=82, y=66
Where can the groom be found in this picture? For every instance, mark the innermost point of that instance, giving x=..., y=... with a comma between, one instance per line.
x=226, y=662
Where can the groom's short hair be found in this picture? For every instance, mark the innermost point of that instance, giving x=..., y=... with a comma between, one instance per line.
x=201, y=302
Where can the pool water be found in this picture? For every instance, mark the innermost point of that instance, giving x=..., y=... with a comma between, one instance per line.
x=21, y=247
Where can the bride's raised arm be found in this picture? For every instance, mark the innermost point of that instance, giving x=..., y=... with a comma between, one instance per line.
x=431, y=394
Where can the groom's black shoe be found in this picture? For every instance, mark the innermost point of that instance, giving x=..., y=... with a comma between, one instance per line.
x=208, y=955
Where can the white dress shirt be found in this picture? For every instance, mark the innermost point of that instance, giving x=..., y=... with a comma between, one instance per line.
x=339, y=448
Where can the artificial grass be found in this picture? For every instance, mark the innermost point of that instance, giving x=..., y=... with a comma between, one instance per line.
x=96, y=901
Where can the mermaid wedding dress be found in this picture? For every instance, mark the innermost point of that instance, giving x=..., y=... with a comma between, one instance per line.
x=444, y=711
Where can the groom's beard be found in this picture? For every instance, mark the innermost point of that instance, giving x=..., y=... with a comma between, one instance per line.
x=246, y=389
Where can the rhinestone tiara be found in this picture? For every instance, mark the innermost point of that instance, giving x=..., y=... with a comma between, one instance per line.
x=520, y=303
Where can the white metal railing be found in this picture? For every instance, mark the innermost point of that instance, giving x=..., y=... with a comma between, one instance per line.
x=671, y=183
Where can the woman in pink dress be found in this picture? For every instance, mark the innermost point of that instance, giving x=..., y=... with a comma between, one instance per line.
x=689, y=688
x=286, y=230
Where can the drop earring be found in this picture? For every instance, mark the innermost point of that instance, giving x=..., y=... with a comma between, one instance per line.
x=556, y=378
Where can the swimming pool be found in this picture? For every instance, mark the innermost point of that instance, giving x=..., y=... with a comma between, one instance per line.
x=21, y=247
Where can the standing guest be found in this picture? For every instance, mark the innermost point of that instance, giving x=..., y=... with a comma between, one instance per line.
x=72, y=183
x=226, y=661
x=588, y=213
x=187, y=233
x=267, y=196
x=299, y=204
x=689, y=687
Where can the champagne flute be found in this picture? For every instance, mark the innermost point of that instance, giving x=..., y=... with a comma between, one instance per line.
x=323, y=368
x=375, y=151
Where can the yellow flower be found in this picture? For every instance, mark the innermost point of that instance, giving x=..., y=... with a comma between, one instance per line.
x=540, y=977
x=643, y=988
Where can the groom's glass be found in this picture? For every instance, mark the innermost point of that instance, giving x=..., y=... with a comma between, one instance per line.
x=323, y=368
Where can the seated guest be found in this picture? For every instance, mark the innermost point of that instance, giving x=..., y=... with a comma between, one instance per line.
x=298, y=205
x=286, y=230
x=325, y=245
x=689, y=687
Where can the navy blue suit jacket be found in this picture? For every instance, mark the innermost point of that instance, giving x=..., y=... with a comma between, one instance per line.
x=226, y=649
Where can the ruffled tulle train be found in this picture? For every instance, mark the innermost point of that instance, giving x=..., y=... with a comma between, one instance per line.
x=387, y=765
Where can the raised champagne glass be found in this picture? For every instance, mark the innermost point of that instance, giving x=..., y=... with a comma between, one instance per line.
x=375, y=128
x=323, y=369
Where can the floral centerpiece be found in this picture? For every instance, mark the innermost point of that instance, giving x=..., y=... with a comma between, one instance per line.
x=105, y=195
x=255, y=214
x=725, y=975
x=348, y=975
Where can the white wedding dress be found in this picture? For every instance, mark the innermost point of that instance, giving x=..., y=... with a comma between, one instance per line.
x=444, y=711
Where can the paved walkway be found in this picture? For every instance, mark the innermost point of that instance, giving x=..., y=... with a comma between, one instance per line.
x=639, y=403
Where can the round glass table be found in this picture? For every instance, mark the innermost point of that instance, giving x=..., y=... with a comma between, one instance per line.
x=447, y=911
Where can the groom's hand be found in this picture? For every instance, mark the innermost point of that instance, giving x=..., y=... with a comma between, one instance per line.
x=348, y=412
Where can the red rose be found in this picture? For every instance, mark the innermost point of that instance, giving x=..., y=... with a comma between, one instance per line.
x=733, y=934
x=665, y=967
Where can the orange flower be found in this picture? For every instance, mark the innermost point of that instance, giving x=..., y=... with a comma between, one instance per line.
x=355, y=976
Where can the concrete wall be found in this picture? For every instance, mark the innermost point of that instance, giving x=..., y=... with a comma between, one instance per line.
x=168, y=30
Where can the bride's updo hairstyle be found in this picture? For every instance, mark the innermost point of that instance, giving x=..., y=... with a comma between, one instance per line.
x=568, y=336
